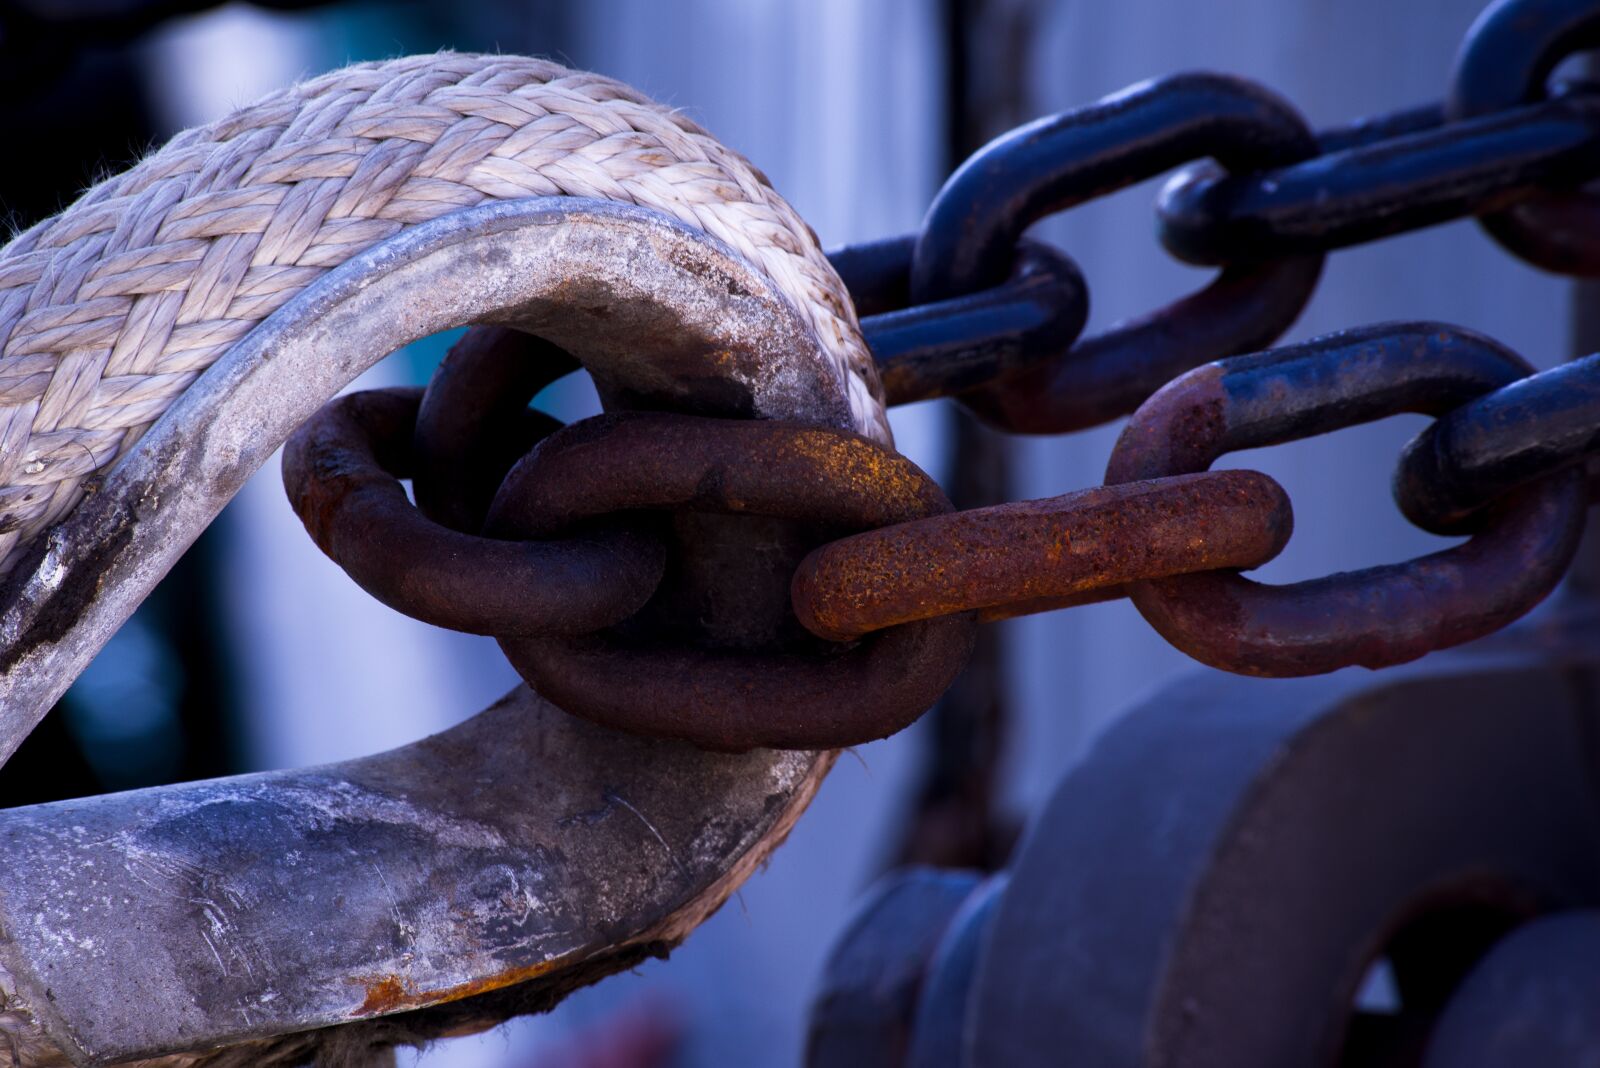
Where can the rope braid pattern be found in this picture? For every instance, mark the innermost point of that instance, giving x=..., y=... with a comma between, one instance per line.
x=111, y=309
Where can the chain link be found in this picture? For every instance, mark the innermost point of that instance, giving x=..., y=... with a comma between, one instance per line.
x=342, y=471
x=1383, y=187
x=947, y=346
x=1506, y=60
x=1502, y=441
x=575, y=555
x=673, y=672
x=1382, y=615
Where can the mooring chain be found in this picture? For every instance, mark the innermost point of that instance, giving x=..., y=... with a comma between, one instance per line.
x=568, y=552
x=1503, y=146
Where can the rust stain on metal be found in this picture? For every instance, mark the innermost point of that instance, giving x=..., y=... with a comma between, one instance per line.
x=636, y=460
x=1039, y=555
x=657, y=676
x=386, y=994
x=390, y=993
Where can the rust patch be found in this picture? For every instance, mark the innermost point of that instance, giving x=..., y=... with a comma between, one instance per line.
x=1030, y=556
x=391, y=993
x=384, y=995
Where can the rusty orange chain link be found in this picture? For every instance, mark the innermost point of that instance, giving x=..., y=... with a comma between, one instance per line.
x=572, y=545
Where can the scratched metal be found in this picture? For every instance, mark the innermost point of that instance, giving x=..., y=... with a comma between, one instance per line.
x=465, y=862
x=517, y=846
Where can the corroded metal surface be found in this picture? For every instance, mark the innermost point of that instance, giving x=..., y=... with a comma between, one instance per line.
x=474, y=421
x=712, y=478
x=1380, y=615
x=342, y=470
x=1037, y=554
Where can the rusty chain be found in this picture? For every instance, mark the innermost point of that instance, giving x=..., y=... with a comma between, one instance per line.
x=570, y=545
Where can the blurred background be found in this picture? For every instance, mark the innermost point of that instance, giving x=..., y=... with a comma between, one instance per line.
x=257, y=652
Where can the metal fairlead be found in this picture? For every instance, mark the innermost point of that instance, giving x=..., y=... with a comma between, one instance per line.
x=473, y=876
x=864, y=1014
x=1260, y=847
x=1533, y=999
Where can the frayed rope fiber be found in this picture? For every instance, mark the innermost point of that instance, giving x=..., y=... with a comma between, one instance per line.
x=110, y=310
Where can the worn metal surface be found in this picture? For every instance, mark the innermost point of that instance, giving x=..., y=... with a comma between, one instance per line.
x=342, y=470
x=1534, y=999
x=548, y=841
x=1210, y=886
x=1055, y=162
x=1377, y=616
x=1487, y=447
x=1384, y=127
x=865, y=1011
x=498, y=852
x=829, y=477
x=677, y=671
x=1038, y=553
x=1370, y=191
x=1506, y=60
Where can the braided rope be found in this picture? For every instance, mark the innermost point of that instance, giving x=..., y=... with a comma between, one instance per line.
x=111, y=309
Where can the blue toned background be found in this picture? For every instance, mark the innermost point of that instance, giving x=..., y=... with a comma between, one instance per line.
x=259, y=653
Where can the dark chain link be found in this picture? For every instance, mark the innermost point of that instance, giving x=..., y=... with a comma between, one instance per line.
x=1506, y=60
x=1383, y=187
x=969, y=240
x=1485, y=449
x=1375, y=617
x=947, y=346
x=342, y=470
x=576, y=557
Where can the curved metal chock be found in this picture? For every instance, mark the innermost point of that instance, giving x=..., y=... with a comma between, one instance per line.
x=1211, y=886
x=521, y=845
x=1214, y=883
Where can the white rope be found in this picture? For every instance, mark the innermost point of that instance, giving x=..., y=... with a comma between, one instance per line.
x=111, y=309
